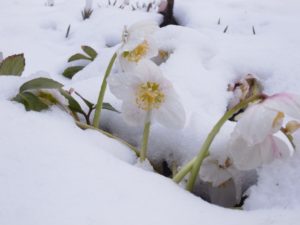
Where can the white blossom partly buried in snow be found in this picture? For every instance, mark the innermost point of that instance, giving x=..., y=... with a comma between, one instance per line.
x=253, y=142
x=217, y=170
x=138, y=44
x=145, y=90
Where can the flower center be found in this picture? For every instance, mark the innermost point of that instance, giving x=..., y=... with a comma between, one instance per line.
x=136, y=54
x=149, y=96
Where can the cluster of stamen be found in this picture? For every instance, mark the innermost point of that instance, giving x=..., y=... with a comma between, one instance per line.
x=149, y=96
x=138, y=53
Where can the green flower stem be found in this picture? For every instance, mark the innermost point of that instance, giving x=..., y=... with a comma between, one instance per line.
x=204, y=151
x=144, y=148
x=184, y=171
x=86, y=126
x=97, y=115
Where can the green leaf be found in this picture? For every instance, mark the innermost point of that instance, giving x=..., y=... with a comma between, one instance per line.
x=108, y=106
x=47, y=98
x=13, y=65
x=30, y=101
x=73, y=104
x=90, y=51
x=71, y=71
x=78, y=56
x=40, y=83
x=87, y=102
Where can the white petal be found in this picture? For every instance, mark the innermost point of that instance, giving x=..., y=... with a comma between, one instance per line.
x=211, y=172
x=121, y=85
x=247, y=157
x=126, y=66
x=256, y=123
x=171, y=113
x=149, y=71
x=138, y=33
x=284, y=102
x=142, y=29
x=132, y=114
x=153, y=48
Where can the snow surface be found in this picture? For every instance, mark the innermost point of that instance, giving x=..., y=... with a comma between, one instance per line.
x=54, y=173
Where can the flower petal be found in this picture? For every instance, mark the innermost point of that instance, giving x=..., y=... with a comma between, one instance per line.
x=256, y=123
x=248, y=157
x=121, y=85
x=211, y=172
x=171, y=114
x=284, y=102
x=132, y=114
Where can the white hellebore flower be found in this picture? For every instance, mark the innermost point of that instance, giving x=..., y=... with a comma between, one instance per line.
x=219, y=169
x=216, y=170
x=145, y=92
x=253, y=142
x=138, y=44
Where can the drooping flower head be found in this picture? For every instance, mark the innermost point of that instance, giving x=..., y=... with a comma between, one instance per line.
x=253, y=142
x=138, y=44
x=145, y=90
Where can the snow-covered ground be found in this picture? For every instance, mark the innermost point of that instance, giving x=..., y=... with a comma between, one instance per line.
x=52, y=172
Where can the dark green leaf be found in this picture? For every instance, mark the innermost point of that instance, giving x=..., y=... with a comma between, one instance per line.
x=90, y=51
x=40, y=83
x=78, y=56
x=30, y=101
x=108, y=106
x=13, y=65
x=87, y=102
x=71, y=71
x=73, y=104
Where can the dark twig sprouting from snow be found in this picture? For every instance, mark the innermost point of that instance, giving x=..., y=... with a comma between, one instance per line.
x=219, y=21
x=166, y=9
x=253, y=30
x=225, y=30
x=68, y=31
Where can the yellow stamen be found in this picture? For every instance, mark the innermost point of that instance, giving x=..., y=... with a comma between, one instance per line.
x=138, y=53
x=292, y=126
x=278, y=119
x=149, y=96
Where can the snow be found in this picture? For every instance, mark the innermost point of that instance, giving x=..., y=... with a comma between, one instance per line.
x=52, y=172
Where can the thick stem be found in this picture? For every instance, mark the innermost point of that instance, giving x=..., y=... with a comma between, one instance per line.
x=184, y=171
x=204, y=151
x=97, y=115
x=144, y=148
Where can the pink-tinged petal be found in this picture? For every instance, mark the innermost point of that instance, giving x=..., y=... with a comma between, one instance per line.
x=296, y=139
x=171, y=113
x=132, y=114
x=244, y=157
x=280, y=149
x=256, y=123
x=248, y=157
x=284, y=102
